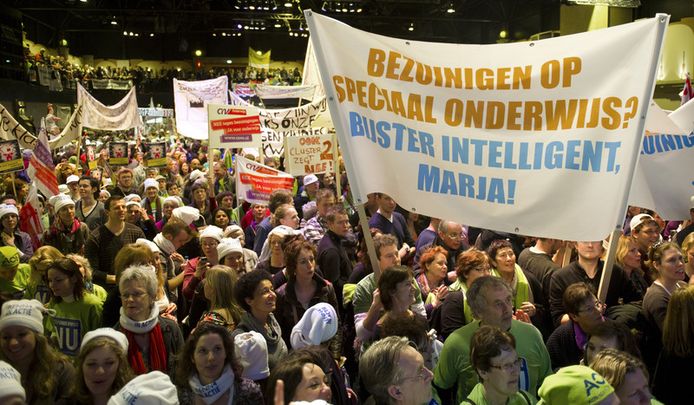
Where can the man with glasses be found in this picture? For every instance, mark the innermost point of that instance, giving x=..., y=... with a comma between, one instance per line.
x=566, y=343
x=587, y=269
x=450, y=236
x=491, y=302
x=394, y=373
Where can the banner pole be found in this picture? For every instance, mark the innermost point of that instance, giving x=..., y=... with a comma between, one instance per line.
x=662, y=20
x=336, y=168
x=373, y=257
x=14, y=189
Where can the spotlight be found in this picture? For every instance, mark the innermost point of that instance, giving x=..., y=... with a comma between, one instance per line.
x=411, y=27
x=198, y=52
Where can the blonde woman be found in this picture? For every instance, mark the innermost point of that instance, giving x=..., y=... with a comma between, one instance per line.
x=40, y=262
x=219, y=291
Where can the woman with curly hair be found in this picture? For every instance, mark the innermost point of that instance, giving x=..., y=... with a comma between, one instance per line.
x=47, y=375
x=102, y=366
x=39, y=263
x=215, y=375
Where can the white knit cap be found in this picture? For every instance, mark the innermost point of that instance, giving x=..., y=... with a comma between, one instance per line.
x=282, y=230
x=10, y=382
x=132, y=197
x=27, y=313
x=54, y=198
x=186, y=214
x=111, y=333
x=310, y=179
x=251, y=352
x=62, y=201
x=228, y=245
x=213, y=232
x=151, y=183
x=106, y=193
x=72, y=179
x=8, y=209
x=153, y=388
x=318, y=325
x=173, y=199
x=63, y=188
x=151, y=245
x=195, y=174
x=231, y=229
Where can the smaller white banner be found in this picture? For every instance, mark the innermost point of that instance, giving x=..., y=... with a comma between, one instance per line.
x=255, y=181
x=233, y=127
x=309, y=154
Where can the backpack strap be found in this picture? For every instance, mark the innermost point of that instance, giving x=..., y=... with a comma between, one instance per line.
x=525, y=396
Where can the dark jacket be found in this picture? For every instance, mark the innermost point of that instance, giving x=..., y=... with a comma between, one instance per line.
x=333, y=262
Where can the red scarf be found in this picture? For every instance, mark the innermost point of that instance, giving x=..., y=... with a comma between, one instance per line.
x=157, y=352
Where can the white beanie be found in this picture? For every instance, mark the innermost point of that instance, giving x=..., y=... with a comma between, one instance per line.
x=106, y=193
x=63, y=188
x=27, y=313
x=310, y=179
x=318, y=325
x=54, y=198
x=8, y=209
x=228, y=245
x=195, y=174
x=111, y=333
x=231, y=229
x=151, y=183
x=213, y=232
x=132, y=197
x=151, y=245
x=72, y=179
x=173, y=199
x=282, y=230
x=10, y=381
x=186, y=214
x=62, y=201
x=153, y=388
x=251, y=352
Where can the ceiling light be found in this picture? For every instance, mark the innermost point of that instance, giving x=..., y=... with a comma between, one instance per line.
x=114, y=21
x=287, y=4
x=151, y=35
x=258, y=53
x=278, y=25
x=125, y=33
x=198, y=52
x=411, y=27
x=228, y=61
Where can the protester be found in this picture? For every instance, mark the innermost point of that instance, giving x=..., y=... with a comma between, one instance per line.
x=230, y=253
x=431, y=281
x=14, y=276
x=67, y=233
x=503, y=261
x=39, y=263
x=577, y=385
x=223, y=310
x=667, y=262
x=11, y=235
x=303, y=380
x=626, y=374
x=331, y=256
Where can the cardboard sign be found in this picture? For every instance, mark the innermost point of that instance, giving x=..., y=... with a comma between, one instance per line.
x=155, y=154
x=309, y=154
x=118, y=153
x=233, y=127
x=10, y=157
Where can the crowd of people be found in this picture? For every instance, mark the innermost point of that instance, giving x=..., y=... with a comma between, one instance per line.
x=162, y=285
x=145, y=79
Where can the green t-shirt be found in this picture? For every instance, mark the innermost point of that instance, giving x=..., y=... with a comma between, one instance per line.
x=363, y=296
x=17, y=287
x=38, y=292
x=477, y=396
x=454, y=362
x=72, y=320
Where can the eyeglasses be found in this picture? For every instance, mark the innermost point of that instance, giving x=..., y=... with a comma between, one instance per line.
x=423, y=374
x=135, y=296
x=508, y=367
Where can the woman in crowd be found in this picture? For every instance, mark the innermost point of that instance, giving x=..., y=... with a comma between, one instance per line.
x=688, y=252
x=257, y=214
x=434, y=265
x=102, y=366
x=153, y=340
x=201, y=200
x=455, y=310
x=67, y=233
x=89, y=209
x=666, y=261
x=272, y=257
x=503, y=262
x=397, y=290
x=610, y=335
x=303, y=289
x=303, y=380
x=215, y=375
x=221, y=218
x=47, y=375
x=40, y=262
x=73, y=306
x=676, y=363
x=196, y=268
x=152, y=203
x=250, y=258
x=230, y=253
x=86, y=270
x=626, y=374
x=219, y=298
x=285, y=215
x=628, y=257
x=170, y=203
x=494, y=358
x=256, y=296
x=11, y=235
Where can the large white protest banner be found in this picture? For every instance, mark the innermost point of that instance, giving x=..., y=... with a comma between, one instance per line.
x=279, y=92
x=311, y=74
x=233, y=127
x=11, y=129
x=255, y=181
x=537, y=138
x=309, y=154
x=191, y=99
x=664, y=177
x=120, y=116
x=309, y=119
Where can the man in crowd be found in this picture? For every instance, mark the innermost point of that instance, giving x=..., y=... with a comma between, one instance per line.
x=451, y=237
x=587, y=269
x=332, y=258
x=277, y=198
x=311, y=185
x=108, y=239
x=491, y=301
x=387, y=220
x=223, y=181
x=124, y=183
x=315, y=228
